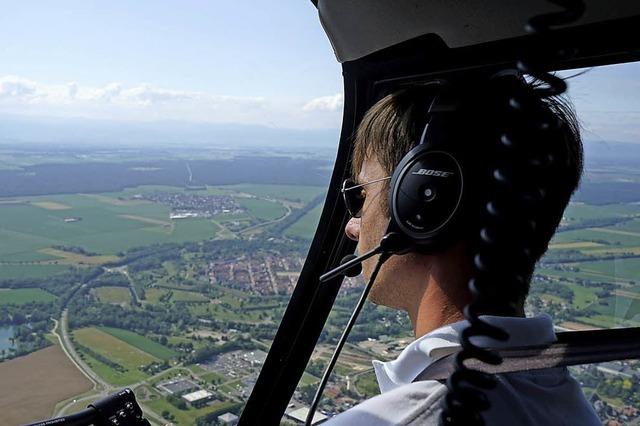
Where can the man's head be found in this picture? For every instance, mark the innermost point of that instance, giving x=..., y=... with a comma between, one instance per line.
x=387, y=132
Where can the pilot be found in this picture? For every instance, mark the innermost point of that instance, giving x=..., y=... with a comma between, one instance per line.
x=432, y=288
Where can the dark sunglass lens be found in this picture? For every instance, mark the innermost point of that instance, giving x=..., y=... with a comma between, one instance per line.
x=353, y=197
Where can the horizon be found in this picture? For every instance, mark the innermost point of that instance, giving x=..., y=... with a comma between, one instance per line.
x=257, y=64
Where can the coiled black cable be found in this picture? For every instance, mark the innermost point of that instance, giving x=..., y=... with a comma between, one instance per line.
x=504, y=246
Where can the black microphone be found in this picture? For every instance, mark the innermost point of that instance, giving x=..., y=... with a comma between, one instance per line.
x=391, y=243
x=353, y=265
x=355, y=269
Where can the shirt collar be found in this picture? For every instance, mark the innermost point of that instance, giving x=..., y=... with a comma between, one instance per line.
x=444, y=340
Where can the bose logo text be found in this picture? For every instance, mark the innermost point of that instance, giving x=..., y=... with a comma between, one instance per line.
x=429, y=172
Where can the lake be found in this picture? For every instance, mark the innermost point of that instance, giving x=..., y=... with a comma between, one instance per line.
x=5, y=334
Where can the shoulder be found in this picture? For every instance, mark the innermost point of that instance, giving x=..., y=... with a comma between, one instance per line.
x=411, y=404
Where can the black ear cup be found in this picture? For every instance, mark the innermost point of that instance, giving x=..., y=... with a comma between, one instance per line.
x=426, y=195
x=427, y=188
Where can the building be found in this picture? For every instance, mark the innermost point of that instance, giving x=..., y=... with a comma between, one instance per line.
x=255, y=358
x=198, y=398
x=228, y=419
x=177, y=386
x=300, y=415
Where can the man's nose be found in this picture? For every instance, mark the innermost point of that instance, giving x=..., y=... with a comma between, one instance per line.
x=353, y=228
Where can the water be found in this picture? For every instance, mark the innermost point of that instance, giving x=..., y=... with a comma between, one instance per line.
x=5, y=334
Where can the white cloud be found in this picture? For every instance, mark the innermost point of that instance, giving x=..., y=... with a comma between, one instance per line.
x=115, y=100
x=145, y=102
x=12, y=87
x=331, y=103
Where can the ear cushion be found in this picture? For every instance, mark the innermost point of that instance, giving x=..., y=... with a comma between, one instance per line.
x=426, y=194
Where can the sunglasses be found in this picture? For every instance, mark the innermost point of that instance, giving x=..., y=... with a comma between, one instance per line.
x=354, y=195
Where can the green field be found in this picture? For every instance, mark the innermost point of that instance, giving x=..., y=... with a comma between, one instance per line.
x=598, y=240
x=582, y=296
x=110, y=223
x=113, y=295
x=622, y=308
x=107, y=226
x=367, y=384
x=262, y=209
x=213, y=377
x=598, y=235
x=116, y=350
x=20, y=271
x=577, y=212
x=279, y=192
x=153, y=295
x=618, y=268
x=306, y=226
x=141, y=342
x=24, y=295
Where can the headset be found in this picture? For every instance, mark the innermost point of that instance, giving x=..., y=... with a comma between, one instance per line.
x=436, y=181
x=427, y=193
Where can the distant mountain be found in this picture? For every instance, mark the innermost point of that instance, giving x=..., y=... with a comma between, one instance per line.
x=38, y=130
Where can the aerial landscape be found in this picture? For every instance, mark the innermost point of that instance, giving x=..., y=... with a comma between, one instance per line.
x=168, y=271
x=164, y=167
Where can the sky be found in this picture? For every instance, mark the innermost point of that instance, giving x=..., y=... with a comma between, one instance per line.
x=245, y=62
x=252, y=62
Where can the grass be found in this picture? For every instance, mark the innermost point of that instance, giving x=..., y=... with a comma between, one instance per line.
x=582, y=296
x=153, y=295
x=106, y=226
x=306, y=226
x=575, y=245
x=196, y=369
x=110, y=375
x=598, y=235
x=118, y=351
x=296, y=193
x=262, y=209
x=213, y=377
x=30, y=271
x=117, y=295
x=24, y=295
x=70, y=258
x=188, y=296
x=578, y=212
x=618, y=268
x=308, y=379
x=141, y=342
x=367, y=384
x=620, y=308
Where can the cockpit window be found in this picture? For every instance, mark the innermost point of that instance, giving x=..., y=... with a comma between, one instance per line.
x=159, y=190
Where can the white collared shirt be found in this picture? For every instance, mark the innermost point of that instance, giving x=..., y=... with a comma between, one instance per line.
x=543, y=397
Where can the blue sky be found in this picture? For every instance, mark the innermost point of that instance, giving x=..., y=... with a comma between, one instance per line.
x=272, y=53
x=250, y=62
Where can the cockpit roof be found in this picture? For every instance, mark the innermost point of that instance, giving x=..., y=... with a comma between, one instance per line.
x=357, y=28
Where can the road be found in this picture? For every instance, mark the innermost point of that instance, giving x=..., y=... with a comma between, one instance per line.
x=100, y=387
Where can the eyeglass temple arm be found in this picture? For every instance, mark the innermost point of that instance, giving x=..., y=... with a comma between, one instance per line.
x=366, y=183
